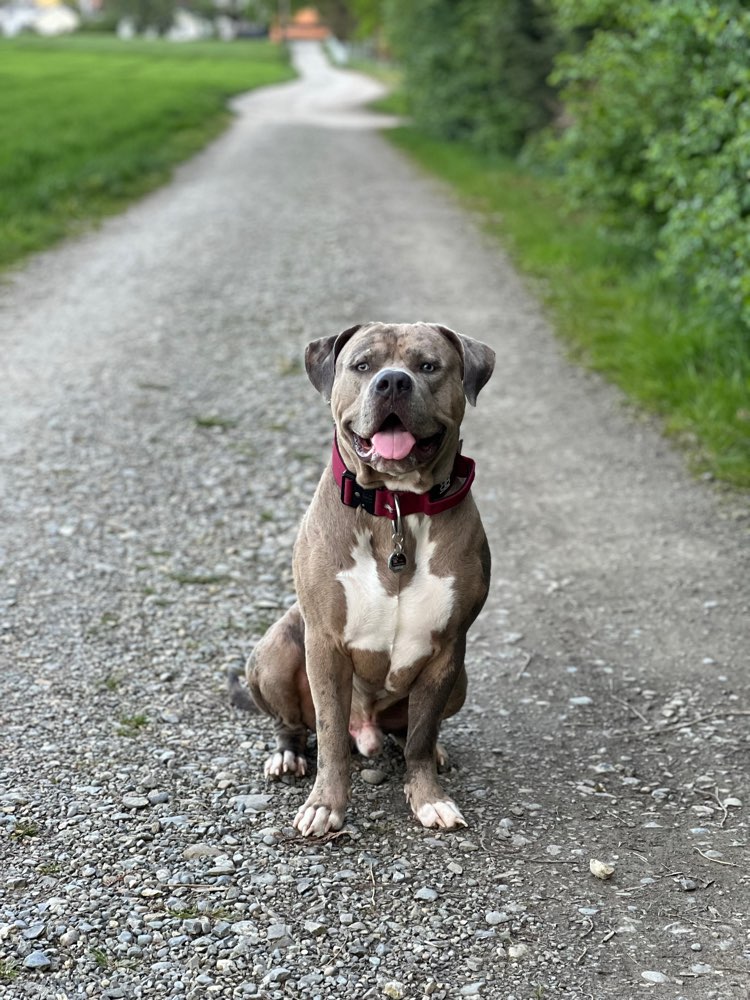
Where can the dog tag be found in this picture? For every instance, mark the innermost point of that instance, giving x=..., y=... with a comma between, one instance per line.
x=397, y=562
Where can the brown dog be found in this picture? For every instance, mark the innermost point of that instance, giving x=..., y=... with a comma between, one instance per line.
x=391, y=566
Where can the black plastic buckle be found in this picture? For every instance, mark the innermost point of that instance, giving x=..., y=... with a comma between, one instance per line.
x=354, y=495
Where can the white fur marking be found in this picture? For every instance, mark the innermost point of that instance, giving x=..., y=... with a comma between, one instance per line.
x=445, y=814
x=399, y=624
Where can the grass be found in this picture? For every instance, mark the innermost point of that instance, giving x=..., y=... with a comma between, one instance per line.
x=617, y=316
x=25, y=829
x=89, y=123
x=8, y=970
x=131, y=725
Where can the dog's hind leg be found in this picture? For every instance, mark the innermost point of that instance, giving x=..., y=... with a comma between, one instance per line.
x=277, y=680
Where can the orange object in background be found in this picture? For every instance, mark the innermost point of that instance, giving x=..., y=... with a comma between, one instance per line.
x=305, y=26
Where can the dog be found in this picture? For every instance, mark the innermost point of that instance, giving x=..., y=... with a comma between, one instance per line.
x=391, y=567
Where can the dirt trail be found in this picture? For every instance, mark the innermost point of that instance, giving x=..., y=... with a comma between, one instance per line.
x=159, y=442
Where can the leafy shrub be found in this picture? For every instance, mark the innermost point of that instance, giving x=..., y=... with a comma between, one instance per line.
x=659, y=98
x=476, y=70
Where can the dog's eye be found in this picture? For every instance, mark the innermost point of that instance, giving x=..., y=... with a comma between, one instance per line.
x=427, y=366
x=363, y=367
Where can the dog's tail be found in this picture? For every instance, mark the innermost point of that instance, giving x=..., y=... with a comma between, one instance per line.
x=239, y=693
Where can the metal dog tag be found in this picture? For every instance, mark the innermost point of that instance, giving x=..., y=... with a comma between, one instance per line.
x=397, y=559
x=397, y=562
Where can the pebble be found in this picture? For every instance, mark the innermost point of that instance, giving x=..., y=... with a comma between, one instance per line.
x=131, y=801
x=654, y=977
x=394, y=990
x=373, y=776
x=518, y=951
x=472, y=989
x=427, y=894
x=37, y=960
x=250, y=803
x=33, y=931
x=201, y=851
x=222, y=866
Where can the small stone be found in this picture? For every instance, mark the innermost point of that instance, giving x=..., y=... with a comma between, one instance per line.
x=373, y=776
x=37, y=960
x=394, y=990
x=69, y=937
x=472, y=989
x=250, y=803
x=516, y=951
x=277, y=932
x=131, y=801
x=201, y=851
x=687, y=884
x=701, y=969
x=223, y=866
x=495, y=917
x=454, y=867
x=314, y=928
x=580, y=700
x=156, y=797
x=427, y=894
x=33, y=931
x=278, y=975
x=654, y=977
x=600, y=869
x=732, y=802
x=518, y=840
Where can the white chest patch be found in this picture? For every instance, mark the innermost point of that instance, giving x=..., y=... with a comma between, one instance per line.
x=399, y=624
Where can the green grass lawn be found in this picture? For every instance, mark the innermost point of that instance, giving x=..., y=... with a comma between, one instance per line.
x=618, y=317
x=90, y=122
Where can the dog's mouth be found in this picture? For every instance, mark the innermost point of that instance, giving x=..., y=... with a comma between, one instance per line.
x=394, y=443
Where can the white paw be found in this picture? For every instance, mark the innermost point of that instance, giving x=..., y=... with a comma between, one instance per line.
x=444, y=814
x=315, y=821
x=288, y=762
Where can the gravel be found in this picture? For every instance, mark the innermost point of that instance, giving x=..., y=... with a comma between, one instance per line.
x=160, y=442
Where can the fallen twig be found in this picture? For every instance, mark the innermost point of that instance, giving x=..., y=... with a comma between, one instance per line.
x=721, y=806
x=716, y=861
x=672, y=726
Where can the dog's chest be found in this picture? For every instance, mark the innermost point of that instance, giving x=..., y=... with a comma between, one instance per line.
x=400, y=624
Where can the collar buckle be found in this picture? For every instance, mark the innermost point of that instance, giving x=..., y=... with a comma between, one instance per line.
x=354, y=495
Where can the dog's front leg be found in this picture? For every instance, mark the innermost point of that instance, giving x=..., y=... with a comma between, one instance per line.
x=438, y=683
x=330, y=673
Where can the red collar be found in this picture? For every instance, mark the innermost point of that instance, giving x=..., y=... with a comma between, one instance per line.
x=380, y=501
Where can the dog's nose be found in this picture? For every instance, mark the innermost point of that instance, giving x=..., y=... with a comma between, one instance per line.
x=393, y=382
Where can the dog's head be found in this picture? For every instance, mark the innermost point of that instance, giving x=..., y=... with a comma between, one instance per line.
x=397, y=395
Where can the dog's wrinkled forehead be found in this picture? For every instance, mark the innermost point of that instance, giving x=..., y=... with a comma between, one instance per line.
x=326, y=357
x=386, y=346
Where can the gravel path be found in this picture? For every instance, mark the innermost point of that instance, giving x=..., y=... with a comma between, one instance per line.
x=159, y=443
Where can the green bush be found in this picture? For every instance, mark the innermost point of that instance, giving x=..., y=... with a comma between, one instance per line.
x=476, y=70
x=659, y=102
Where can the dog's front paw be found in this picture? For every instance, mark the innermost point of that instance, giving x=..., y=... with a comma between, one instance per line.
x=285, y=762
x=444, y=814
x=431, y=805
x=318, y=815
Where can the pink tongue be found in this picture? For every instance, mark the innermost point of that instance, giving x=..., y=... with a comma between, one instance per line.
x=395, y=443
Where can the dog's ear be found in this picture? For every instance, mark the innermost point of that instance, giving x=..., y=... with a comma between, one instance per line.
x=478, y=361
x=320, y=359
